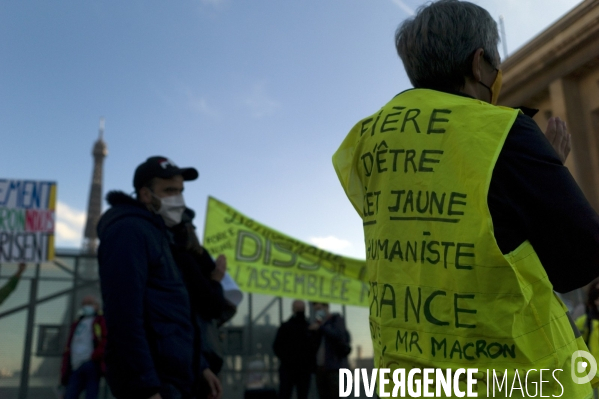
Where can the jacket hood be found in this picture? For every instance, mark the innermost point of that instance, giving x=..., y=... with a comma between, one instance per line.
x=123, y=205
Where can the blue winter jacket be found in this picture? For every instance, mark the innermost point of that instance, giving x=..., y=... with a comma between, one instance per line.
x=146, y=305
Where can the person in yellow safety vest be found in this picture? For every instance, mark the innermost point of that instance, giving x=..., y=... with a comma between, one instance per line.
x=470, y=219
x=588, y=324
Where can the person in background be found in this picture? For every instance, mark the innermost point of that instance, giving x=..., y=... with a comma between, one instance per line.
x=209, y=308
x=334, y=345
x=11, y=285
x=295, y=346
x=83, y=358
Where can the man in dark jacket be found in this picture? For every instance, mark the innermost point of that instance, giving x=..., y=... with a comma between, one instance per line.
x=295, y=346
x=333, y=349
x=149, y=353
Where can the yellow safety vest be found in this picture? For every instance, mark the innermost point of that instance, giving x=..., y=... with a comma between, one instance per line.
x=442, y=295
x=592, y=336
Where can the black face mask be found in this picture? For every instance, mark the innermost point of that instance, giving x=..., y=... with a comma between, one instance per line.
x=300, y=314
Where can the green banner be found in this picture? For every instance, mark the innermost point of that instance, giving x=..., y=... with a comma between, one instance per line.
x=264, y=261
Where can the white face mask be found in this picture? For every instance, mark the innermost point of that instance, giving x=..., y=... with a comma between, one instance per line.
x=88, y=310
x=320, y=314
x=171, y=209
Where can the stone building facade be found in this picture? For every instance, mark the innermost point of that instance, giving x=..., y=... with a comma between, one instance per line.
x=557, y=72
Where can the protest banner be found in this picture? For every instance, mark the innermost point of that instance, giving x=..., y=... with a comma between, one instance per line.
x=27, y=218
x=265, y=261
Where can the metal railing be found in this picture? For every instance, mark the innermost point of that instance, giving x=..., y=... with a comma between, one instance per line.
x=246, y=338
x=75, y=269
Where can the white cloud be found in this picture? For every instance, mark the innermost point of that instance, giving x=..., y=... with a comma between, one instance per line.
x=69, y=225
x=201, y=105
x=259, y=102
x=406, y=8
x=330, y=243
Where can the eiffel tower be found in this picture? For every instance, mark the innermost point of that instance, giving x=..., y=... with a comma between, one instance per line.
x=94, y=207
x=87, y=269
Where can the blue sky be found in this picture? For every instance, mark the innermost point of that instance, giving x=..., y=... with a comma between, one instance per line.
x=256, y=94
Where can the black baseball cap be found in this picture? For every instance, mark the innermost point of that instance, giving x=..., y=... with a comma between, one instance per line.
x=162, y=167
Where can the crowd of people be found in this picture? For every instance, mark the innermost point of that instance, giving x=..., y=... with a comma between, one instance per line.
x=517, y=209
x=162, y=299
x=304, y=349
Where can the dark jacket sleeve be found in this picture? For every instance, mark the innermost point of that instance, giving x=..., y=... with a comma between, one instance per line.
x=280, y=342
x=206, y=295
x=534, y=197
x=65, y=366
x=334, y=329
x=215, y=295
x=124, y=261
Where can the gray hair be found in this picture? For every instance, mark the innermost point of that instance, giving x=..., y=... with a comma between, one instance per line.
x=437, y=45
